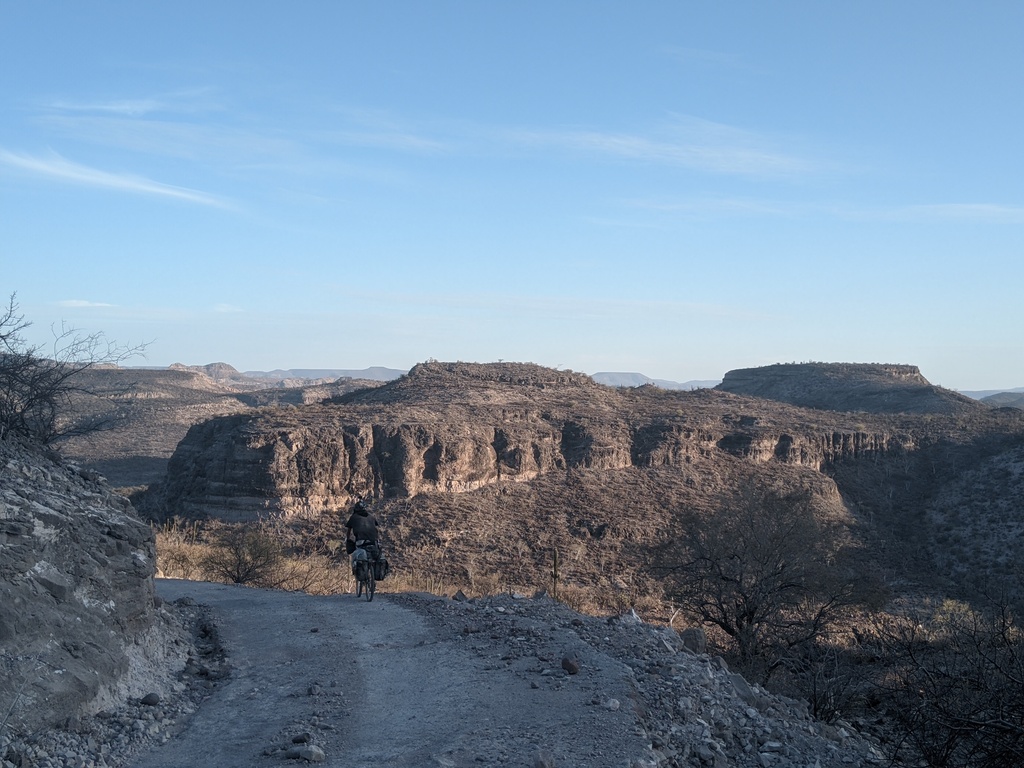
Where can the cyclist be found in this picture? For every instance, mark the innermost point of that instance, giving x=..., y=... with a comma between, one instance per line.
x=362, y=540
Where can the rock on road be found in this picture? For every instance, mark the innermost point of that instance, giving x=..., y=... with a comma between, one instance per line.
x=385, y=684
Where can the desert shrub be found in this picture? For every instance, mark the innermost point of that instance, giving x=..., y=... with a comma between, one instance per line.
x=264, y=554
x=761, y=570
x=244, y=555
x=956, y=685
x=180, y=554
x=314, y=574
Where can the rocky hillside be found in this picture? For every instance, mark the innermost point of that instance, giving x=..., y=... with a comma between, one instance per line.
x=1005, y=400
x=453, y=428
x=480, y=472
x=871, y=388
x=79, y=628
x=155, y=407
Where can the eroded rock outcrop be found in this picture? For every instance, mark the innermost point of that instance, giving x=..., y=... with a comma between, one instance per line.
x=460, y=427
x=854, y=387
x=78, y=626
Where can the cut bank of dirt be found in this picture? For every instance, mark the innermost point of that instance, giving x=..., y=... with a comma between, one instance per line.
x=385, y=683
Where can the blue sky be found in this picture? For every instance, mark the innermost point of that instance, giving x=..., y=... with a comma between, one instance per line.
x=674, y=188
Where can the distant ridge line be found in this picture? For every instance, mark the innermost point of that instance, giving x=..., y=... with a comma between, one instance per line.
x=633, y=379
x=374, y=373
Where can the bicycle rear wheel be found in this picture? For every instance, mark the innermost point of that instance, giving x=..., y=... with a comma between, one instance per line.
x=371, y=584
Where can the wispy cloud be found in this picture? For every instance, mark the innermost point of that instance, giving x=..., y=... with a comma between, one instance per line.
x=707, y=206
x=685, y=141
x=964, y=211
x=794, y=209
x=182, y=101
x=929, y=212
x=396, y=140
x=380, y=129
x=186, y=140
x=55, y=166
x=82, y=303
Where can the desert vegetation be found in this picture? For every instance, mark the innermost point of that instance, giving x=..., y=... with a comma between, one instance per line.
x=844, y=558
x=808, y=562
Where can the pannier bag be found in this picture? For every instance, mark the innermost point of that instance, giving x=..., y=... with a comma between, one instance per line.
x=359, y=569
x=381, y=568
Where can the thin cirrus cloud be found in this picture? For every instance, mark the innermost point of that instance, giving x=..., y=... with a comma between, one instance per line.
x=378, y=128
x=991, y=213
x=82, y=304
x=186, y=140
x=965, y=211
x=687, y=142
x=55, y=166
x=181, y=101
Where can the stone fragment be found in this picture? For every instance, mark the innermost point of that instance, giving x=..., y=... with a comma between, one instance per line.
x=571, y=665
x=694, y=640
x=150, y=699
x=743, y=689
x=312, y=753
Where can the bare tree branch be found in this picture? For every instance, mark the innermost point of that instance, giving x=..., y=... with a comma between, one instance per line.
x=37, y=387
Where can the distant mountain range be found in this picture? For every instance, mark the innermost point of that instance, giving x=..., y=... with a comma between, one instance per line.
x=981, y=394
x=374, y=373
x=378, y=373
x=281, y=377
x=614, y=379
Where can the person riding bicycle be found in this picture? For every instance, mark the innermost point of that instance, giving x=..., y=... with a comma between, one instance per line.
x=362, y=540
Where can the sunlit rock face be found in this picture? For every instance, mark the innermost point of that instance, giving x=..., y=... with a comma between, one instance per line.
x=452, y=428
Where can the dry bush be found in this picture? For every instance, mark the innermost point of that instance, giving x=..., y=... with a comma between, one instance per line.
x=265, y=554
x=762, y=571
x=956, y=685
x=245, y=555
x=180, y=551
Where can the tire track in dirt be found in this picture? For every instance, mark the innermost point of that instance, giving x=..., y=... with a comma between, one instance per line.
x=378, y=683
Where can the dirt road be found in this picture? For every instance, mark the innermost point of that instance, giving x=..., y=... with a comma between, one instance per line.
x=387, y=683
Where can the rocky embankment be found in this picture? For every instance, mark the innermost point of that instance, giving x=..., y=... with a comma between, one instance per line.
x=690, y=708
x=79, y=628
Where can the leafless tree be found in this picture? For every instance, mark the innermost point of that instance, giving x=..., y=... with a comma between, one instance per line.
x=956, y=685
x=38, y=387
x=763, y=570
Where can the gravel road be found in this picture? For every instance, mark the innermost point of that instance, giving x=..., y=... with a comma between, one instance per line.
x=392, y=683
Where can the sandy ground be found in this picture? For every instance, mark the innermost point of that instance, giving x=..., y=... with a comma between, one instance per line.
x=386, y=683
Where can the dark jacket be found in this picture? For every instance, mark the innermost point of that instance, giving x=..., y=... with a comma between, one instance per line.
x=362, y=526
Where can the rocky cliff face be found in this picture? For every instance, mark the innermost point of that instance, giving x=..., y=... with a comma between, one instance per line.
x=78, y=626
x=464, y=427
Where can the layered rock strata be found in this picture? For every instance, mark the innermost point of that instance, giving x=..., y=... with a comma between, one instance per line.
x=460, y=428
